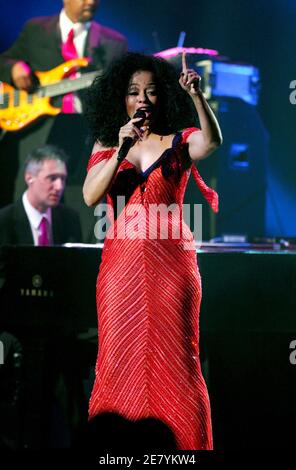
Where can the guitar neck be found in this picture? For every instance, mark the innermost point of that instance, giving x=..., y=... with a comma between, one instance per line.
x=68, y=85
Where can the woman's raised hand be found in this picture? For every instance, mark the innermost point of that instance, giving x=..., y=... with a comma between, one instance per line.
x=189, y=78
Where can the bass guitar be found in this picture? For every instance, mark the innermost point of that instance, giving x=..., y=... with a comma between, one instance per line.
x=19, y=108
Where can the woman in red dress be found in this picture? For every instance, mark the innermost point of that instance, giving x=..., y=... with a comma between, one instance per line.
x=149, y=287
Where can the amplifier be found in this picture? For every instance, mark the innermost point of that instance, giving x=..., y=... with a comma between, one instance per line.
x=229, y=80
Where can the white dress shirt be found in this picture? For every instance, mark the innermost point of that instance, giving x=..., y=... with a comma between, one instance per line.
x=80, y=34
x=35, y=218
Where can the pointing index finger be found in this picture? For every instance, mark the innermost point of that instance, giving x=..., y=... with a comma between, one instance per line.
x=184, y=62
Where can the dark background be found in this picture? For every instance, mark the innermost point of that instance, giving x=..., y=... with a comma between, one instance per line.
x=257, y=32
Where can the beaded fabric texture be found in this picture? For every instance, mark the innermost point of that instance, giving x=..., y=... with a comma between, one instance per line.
x=148, y=299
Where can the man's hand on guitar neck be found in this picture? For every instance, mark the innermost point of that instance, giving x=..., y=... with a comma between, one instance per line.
x=21, y=75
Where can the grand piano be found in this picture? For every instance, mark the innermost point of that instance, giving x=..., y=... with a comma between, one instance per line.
x=247, y=326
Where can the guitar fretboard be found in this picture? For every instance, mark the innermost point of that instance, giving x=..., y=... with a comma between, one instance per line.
x=67, y=85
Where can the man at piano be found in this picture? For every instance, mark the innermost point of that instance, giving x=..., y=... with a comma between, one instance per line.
x=38, y=218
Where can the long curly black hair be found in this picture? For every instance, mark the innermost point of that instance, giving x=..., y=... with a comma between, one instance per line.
x=105, y=107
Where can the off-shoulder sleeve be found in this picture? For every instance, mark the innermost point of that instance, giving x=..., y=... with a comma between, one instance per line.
x=187, y=132
x=99, y=156
x=208, y=193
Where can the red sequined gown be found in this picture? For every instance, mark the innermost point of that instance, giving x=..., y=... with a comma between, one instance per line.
x=148, y=300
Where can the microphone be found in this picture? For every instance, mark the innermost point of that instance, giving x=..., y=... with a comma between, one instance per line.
x=128, y=141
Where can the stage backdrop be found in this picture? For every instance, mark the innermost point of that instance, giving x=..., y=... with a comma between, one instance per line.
x=261, y=33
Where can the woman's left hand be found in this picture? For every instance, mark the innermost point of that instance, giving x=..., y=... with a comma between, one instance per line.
x=189, y=78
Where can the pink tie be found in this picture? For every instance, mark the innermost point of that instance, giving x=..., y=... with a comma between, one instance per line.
x=69, y=52
x=43, y=239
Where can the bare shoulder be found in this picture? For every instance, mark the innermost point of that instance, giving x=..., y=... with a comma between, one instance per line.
x=98, y=147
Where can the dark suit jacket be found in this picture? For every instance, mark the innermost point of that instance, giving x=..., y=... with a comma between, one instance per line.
x=15, y=227
x=39, y=44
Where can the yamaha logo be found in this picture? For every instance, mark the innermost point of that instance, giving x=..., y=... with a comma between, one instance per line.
x=36, y=290
x=37, y=281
